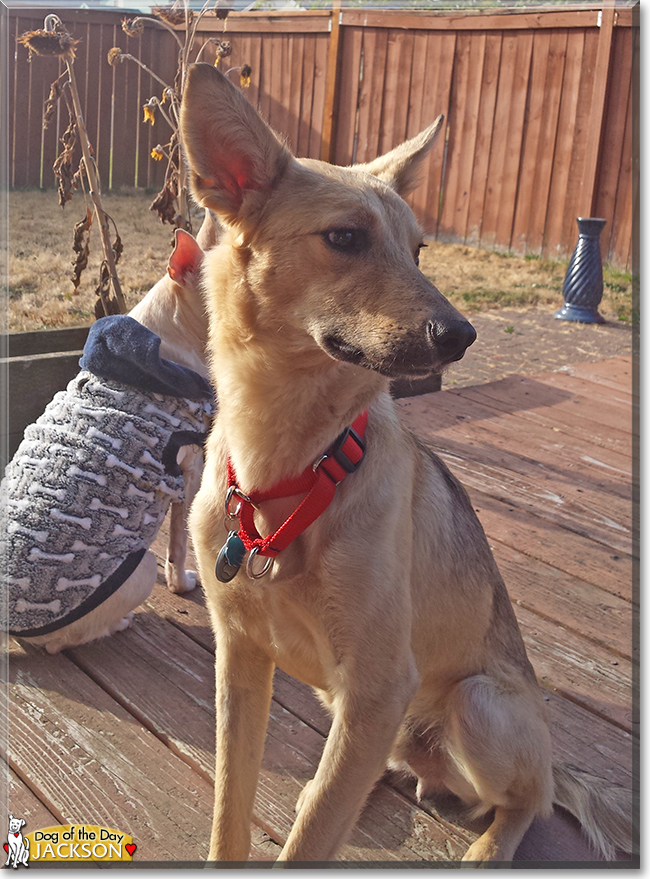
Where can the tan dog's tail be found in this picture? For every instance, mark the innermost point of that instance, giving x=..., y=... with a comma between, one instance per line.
x=602, y=808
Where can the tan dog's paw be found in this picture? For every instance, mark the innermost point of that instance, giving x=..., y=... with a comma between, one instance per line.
x=481, y=853
x=181, y=581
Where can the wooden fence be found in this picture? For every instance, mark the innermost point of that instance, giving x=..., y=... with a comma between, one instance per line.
x=541, y=109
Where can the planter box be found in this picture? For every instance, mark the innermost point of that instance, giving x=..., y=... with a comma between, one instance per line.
x=34, y=366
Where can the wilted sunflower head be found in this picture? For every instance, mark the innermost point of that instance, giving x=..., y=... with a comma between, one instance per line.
x=150, y=110
x=245, y=76
x=133, y=27
x=222, y=8
x=114, y=56
x=42, y=42
x=171, y=14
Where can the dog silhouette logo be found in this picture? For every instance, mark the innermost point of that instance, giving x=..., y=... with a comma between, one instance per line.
x=16, y=846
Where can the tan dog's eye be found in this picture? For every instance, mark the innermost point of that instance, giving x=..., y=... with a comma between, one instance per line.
x=417, y=253
x=347, y=240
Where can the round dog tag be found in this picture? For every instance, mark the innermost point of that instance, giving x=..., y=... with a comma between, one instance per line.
x=230, y=558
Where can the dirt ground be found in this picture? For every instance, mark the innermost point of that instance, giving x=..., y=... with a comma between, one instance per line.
x=509, y=299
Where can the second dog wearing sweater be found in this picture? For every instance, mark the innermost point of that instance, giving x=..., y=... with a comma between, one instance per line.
x=93, y=478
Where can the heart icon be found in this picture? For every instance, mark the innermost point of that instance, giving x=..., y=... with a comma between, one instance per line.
x=130, y=847
x=6, y=847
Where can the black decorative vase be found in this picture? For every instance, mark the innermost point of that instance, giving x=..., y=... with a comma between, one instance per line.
x=583, y=282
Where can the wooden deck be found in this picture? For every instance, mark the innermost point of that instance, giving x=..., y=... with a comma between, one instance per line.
x=120, y=732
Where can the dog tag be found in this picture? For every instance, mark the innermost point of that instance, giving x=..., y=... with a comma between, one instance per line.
x=230, y=558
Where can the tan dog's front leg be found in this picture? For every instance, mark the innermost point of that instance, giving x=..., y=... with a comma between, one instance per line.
x=244, y=683
x=190, y=460
x=355, y=755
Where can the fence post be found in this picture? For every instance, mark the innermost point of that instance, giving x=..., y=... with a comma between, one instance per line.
x=589, y=189
x=332, y=85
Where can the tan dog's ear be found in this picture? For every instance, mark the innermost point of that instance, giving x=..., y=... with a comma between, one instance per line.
x=400, y=167
x=186, y=257
x=232, y=153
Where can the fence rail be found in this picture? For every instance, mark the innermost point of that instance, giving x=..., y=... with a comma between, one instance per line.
x=540, y=109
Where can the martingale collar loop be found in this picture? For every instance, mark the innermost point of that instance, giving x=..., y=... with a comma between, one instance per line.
x=319, y=480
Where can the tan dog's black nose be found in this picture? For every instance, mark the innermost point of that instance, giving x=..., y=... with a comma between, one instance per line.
x=452, y=338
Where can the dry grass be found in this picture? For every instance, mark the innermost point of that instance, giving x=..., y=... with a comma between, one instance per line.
x=480, y=280
x=40, y=265
x=41, y=257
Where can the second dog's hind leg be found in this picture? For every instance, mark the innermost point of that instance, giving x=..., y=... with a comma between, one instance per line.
x=190, y=459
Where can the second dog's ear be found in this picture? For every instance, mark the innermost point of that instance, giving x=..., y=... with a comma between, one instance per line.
x=400, y=167
x=234, y=156
x=186, y=257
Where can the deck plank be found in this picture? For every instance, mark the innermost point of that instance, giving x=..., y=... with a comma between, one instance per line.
x=92, y=762
x=615, y=372
x=541, y=539
x=583, y=608
x=548, y=447
x=544, y=496
x=23, y=803
x=537, y=402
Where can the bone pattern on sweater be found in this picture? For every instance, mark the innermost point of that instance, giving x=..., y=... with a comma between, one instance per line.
x=85, y=493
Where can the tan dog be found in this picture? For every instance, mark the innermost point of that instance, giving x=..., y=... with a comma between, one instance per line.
x=390, y=604
x=173, y=310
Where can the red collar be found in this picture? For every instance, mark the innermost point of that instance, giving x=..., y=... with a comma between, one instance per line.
x=320, y=479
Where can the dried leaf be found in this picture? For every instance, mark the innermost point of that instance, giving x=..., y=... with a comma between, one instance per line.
x=103, y=289
x=81, y=246
x=56, y=90
x=118, y=247
x=164, y=205
x=63, y=165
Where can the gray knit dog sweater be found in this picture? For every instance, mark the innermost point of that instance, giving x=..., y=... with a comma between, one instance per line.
x=85, y=495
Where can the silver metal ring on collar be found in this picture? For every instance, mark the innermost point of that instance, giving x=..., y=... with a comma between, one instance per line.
x=257, y=575
x=229, y=513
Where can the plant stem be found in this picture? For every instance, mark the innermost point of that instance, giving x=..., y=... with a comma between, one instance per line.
x=166, y=117
x=144, y=67
x=200, y=52
x=95, y=194
x=167, y=27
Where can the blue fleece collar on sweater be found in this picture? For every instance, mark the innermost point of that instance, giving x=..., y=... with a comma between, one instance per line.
x=120, y=349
